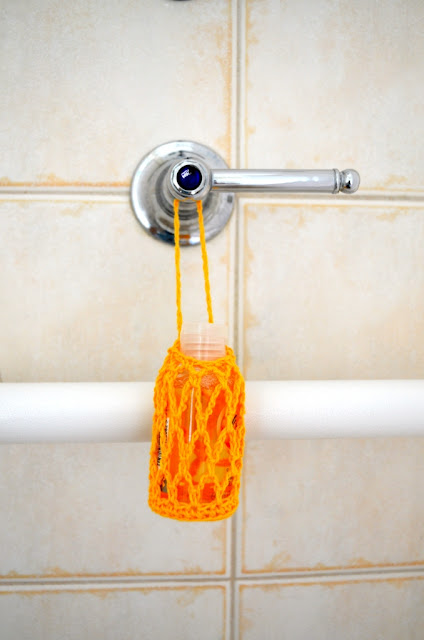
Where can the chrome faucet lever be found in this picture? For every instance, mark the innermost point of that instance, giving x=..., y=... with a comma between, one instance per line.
x=190, y=171
x=192, y=179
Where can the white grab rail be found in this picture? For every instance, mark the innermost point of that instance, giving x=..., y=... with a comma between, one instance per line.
x=122, y=411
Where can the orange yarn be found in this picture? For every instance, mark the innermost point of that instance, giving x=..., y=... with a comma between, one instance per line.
x=196, y=476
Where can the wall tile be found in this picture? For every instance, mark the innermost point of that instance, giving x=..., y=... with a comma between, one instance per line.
x=88, y=295
x=333, y=291
x=95, y=86
x=337, y=85
x=314, y=505
x=389, y=609
x=87, y=613
x=81, y=510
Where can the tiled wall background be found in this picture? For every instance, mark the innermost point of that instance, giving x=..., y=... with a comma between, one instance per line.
x=328, y=542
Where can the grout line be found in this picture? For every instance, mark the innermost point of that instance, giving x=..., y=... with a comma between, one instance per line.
x=238, y=8
x=228, y=606
x=243, y=82
x=119, y=194
x=241, y=247
x=66, y=188
x=232, y=245
x=233, y=573
x=380, y=573
x=231, y=320
x=235, y=282
x=237, y=154
x=331, y=574
x=234, y=84
x=240, y=88
x=336, y=578
x=64, y=195
x=109, y=586
x=315, y=200
x=237, y=524
x=236, y=621
x=241, y=153
x=112, y=581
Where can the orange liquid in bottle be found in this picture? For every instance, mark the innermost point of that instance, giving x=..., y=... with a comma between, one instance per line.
x=216, y=422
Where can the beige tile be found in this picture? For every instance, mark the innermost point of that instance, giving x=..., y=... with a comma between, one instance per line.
x=89, y=88
x=313, y=505
x=96, y=613
x=88, y=295
x=333, y=291
x=337, y=85
x=352, y=610
x=81, y=510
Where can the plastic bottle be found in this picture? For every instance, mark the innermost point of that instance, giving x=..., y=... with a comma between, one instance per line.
x=202, y=341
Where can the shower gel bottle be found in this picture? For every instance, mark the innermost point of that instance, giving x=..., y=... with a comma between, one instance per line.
x=205, y=342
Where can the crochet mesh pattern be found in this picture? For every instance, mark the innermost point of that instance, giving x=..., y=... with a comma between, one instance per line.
x=196, y=478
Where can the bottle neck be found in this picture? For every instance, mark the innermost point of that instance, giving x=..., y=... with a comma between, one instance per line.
x=203, y=340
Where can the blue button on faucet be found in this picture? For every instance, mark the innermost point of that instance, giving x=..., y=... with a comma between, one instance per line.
x=189, y=177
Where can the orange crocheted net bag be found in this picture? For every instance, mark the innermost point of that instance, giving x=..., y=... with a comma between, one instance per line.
x=196, y=477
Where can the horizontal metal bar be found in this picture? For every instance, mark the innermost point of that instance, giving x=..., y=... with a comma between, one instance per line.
x=122, y=411
x=269, y=181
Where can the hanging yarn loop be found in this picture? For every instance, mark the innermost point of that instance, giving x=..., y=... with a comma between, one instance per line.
x=198, y=424
x=204, y=261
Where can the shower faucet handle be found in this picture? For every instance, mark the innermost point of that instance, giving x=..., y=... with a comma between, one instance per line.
x=189, y=171
x=191, y=178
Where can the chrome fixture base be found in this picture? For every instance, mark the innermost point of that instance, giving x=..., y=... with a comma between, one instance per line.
x=189, y=171
x=152, y=198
